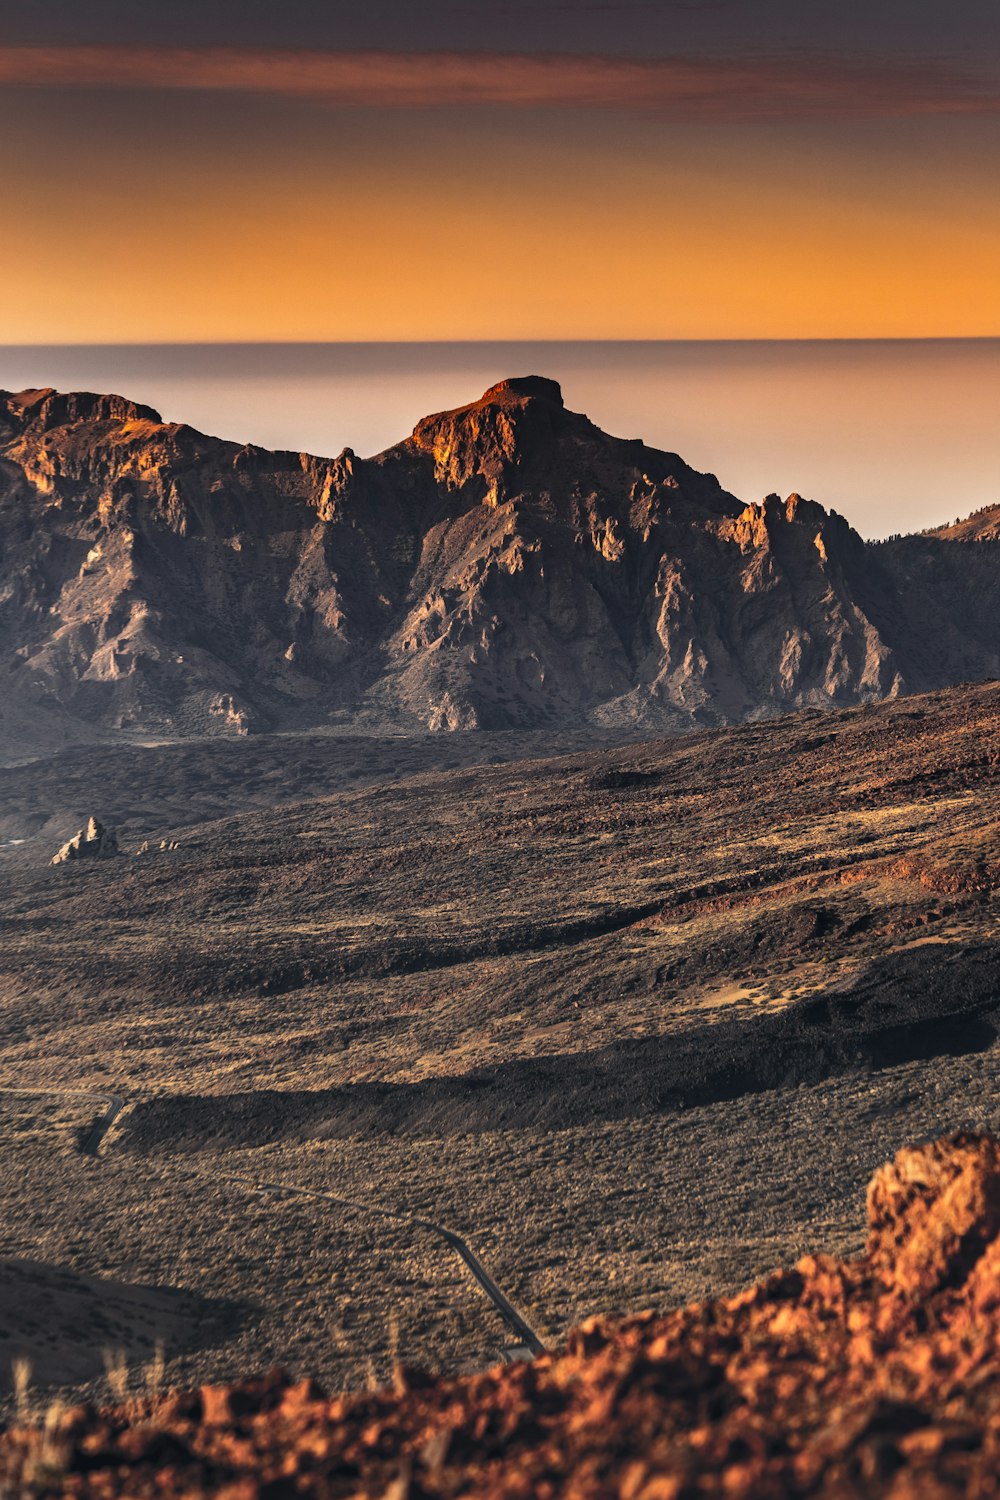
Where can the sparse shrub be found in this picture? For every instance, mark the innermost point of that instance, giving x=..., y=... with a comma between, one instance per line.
x=155, y=1373
x=116, y=1370
x=21, y=1370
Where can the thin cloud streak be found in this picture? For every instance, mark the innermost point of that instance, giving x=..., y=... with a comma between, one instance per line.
x=708, y=90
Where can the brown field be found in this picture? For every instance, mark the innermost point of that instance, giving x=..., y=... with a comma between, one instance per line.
x=638, y=1022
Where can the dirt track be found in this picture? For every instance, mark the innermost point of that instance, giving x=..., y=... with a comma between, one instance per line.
x=90, y=1145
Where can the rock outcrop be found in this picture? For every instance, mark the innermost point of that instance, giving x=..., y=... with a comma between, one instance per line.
x=874, y=1377
x=508, y=565
x=93, y=842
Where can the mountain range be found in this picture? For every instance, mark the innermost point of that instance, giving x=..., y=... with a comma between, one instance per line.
x=507, y=566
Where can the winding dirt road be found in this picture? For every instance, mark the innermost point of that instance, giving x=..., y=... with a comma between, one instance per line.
x=529, y=1339
x=92, y=1141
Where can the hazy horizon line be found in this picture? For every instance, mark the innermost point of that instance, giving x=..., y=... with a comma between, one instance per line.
x=947, y=338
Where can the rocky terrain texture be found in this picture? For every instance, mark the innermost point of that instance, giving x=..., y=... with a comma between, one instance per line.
x=637, y=1022
x=509, y=565
x=668, y=900
x=877, y=1376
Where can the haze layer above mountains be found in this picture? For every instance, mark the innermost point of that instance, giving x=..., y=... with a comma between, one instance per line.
x=509, y=565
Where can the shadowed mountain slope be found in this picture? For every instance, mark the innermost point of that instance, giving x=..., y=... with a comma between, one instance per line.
x=509, y=565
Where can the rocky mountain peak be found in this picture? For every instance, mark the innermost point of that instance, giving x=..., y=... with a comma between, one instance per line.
x=44, y=409
x=520, y=439
x=489, y=441
x=524, y=388
x=509, y=565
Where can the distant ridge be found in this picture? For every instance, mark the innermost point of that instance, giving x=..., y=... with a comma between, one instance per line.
x=509, y=565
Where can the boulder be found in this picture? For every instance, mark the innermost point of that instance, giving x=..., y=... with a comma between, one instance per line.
x=93, y=842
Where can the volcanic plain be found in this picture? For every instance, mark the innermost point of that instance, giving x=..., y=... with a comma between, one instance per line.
x=637, y=1022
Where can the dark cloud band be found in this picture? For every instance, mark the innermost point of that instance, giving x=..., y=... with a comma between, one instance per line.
x=765, y=88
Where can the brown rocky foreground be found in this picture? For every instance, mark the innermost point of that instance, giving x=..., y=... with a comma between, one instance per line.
x=879, y=1376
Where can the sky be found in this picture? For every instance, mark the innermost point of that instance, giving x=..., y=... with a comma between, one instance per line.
x=535, y=169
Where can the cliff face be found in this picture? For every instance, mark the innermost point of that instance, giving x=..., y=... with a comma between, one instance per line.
x=943, y=600
x=507, y=565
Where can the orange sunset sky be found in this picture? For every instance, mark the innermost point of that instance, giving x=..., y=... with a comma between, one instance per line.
x=691, y=170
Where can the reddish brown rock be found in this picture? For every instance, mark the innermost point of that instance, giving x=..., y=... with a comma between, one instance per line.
x=877, y=1377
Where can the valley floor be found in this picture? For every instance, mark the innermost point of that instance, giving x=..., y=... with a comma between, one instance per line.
x=637, y=1022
